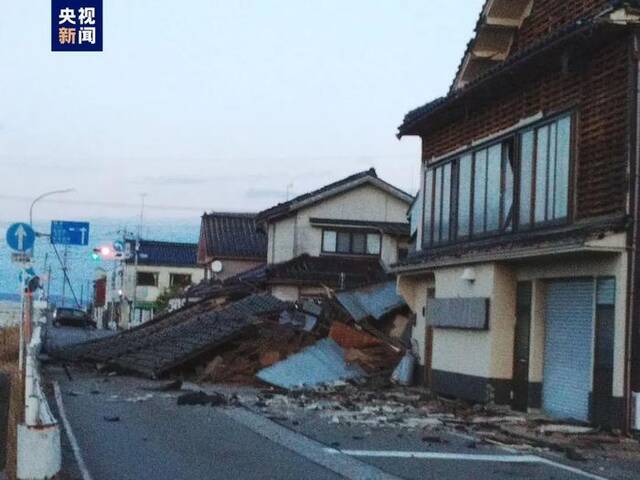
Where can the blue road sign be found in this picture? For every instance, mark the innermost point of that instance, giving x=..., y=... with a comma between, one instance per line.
x=69, y=233
x=20, y=237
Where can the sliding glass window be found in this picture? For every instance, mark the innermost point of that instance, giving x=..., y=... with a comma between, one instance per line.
x=500, y=188
x=544, y=180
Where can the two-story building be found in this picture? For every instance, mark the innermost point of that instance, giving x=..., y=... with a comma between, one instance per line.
x=341, y=235
x=525, y=273
x=161, y=267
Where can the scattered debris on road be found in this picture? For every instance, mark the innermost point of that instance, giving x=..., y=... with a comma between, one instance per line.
x=202, y=398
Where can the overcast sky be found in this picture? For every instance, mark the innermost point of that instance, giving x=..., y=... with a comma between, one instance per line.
x=205, y=104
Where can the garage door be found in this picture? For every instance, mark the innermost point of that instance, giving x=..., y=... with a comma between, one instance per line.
x=568, y=349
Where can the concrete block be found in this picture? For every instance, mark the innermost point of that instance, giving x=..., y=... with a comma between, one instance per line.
x=39, y=455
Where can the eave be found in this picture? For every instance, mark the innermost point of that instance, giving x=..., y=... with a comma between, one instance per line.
x=580, y=36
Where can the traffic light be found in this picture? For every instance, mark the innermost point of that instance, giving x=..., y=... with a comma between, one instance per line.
x=103, y=252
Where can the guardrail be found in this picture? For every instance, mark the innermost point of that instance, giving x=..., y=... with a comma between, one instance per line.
x=39, y=455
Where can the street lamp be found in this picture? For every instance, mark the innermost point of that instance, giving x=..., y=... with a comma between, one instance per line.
x=53, y=192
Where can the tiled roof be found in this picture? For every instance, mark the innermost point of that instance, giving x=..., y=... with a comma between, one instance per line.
x=333, y=271
x=282, y=209
x=399, y=229
x=231, y=235
x=157, y=347
x=336, y=272
x=172, y=254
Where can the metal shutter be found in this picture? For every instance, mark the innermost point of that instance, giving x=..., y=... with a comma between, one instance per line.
x=568, y=348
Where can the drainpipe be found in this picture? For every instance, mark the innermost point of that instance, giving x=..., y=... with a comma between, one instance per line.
x=632, y=334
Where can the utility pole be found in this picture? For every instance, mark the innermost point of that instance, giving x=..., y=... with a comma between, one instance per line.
x=64, y=273
x=49, y=280
x=135, y=259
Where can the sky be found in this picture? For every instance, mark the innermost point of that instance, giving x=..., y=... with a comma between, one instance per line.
x=210, y=105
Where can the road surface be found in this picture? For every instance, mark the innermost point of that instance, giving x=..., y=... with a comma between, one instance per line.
x=126, y=429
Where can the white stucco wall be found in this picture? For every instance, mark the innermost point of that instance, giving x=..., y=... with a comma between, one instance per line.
x=489, y=354
x=464, y=351
x=150, y=294
x=295, y=235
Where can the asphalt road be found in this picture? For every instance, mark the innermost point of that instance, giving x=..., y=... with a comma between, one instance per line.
x=156, y=439
x=57, y=337
x=126, y=429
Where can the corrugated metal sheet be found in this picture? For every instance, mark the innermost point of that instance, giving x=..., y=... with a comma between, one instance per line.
x=373, y=301
x=467, y=313
x=568, y=346
x=319, y=364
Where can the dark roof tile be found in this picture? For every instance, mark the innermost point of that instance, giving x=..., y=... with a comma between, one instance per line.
x=231, y=235
x=399, y=229
x=154, y=348
x=173, y=254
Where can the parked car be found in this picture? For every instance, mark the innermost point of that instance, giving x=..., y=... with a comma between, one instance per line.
x=72, y=317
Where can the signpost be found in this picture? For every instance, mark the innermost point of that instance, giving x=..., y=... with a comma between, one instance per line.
x=70, y=233
x=20, y=237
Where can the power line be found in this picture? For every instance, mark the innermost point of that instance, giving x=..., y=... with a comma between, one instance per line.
x=97, y=203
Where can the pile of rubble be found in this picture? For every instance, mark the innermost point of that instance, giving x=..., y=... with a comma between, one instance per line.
x=256, y=348
x=375, y=403
x=259, y=338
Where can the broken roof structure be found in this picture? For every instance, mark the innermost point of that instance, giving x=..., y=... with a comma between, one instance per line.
x=157, y=347
x=321, y=363
x=374, y=301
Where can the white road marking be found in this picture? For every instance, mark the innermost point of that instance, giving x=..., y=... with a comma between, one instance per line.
x=344, y=465
x=464, y=457
x=438, y=456
x=72, y=438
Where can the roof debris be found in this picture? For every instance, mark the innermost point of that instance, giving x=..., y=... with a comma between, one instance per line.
x=319, y=364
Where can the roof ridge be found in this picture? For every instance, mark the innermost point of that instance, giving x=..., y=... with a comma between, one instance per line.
x=284, y=207
x=229, y=214
x=165, y=242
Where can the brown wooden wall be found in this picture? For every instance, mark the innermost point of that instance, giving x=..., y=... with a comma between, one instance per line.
x=550, y=15
x=598, y=93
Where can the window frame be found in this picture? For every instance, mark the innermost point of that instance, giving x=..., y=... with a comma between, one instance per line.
x=351, y=233
x=156, y=279
x=512, y=140
x=173, y=275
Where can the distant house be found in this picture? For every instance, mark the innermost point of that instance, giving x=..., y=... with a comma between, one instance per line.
x=162, y=266
x=230, y=244
x=338, y=236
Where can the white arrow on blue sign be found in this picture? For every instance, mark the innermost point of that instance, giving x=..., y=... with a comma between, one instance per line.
x=20, y=237
x=69, y=233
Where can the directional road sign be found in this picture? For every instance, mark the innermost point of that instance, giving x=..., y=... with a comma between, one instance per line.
x=69, y=233
x=20, y=237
